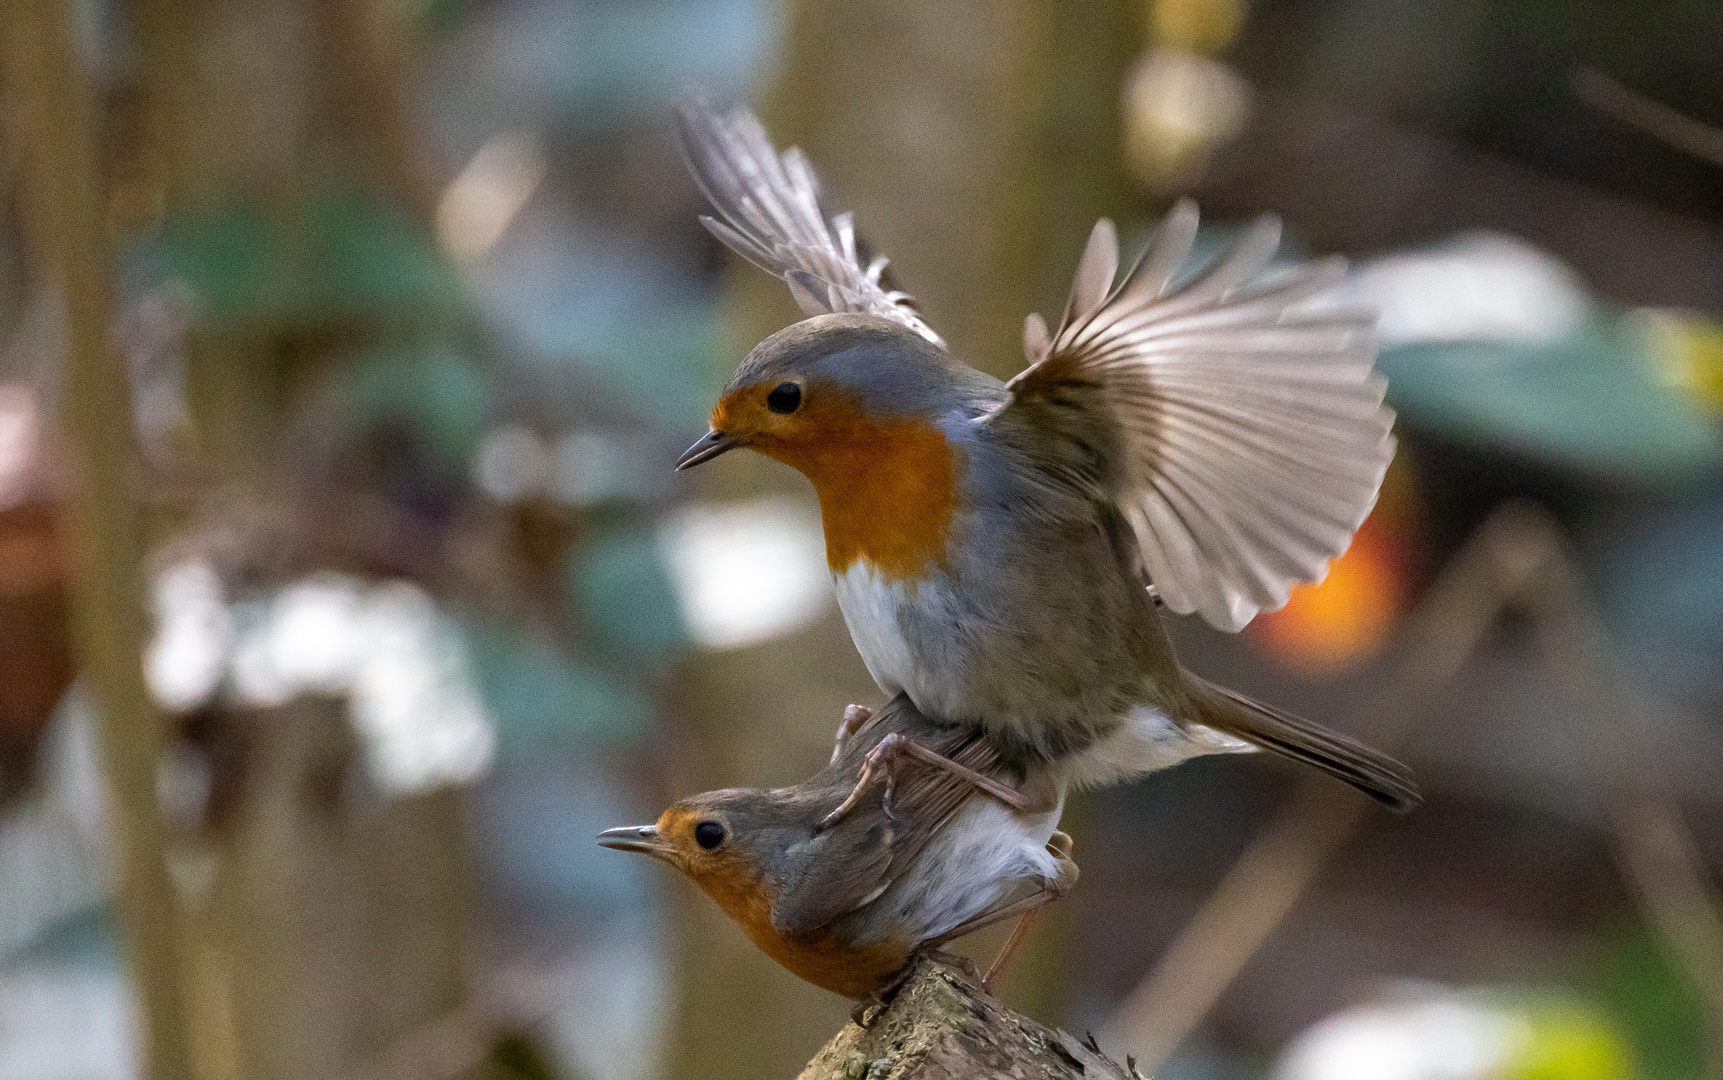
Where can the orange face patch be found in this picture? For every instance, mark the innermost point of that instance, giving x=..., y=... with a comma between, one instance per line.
x=887, y=485
x=738, y=886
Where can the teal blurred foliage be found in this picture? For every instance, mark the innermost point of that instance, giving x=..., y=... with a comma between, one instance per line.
x=1661, y=584
x=621, y=594
x=641, y=339
x=1590, y=401
x=443, y=394
x=616, y=60
x=337, y=253
x=340, y=258
x=1656, y=1005
x=432, y=16
x=542, y=697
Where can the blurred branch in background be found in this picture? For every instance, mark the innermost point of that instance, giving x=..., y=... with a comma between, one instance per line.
x=72, y=254
x=1652, y=843
x=1648, y=115
x=1517, y=560
x=1280, y=864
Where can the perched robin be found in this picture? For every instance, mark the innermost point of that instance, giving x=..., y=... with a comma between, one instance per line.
x=1202, y=440
x=913, y=866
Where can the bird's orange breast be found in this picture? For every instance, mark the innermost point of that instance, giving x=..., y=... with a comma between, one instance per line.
x=820, y=958
x=888, y=486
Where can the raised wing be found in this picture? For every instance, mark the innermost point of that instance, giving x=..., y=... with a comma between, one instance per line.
x=771, y=217
x=1239, y=431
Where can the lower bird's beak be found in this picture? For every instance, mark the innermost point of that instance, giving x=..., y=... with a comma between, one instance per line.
x=714, y=443
x=641, y=838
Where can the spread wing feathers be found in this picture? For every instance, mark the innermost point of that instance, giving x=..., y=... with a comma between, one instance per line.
x=1241, y=434
x=771, y=216
x=848, y=866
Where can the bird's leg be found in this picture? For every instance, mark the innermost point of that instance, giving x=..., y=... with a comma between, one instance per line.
x=854, y=717
x=895, y=747
x=1049, y=890
x=882, y=998
x=885, y=995
x=1060, y=846
x=1008, y=951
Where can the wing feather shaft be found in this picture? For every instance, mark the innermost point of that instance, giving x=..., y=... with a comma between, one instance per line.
x=769, y=213
x=1248, y=437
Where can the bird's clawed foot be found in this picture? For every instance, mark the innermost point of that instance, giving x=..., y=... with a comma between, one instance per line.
x=961, y=963
x=897, y=747
x=868, y=1009
x=855, y=716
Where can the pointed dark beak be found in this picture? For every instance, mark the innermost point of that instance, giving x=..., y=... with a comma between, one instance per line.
x=641, y=838
x=714, y=443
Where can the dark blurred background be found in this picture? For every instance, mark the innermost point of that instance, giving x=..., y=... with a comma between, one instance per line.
x=414, y=315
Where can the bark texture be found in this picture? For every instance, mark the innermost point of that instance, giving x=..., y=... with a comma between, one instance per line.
x=942, y=1027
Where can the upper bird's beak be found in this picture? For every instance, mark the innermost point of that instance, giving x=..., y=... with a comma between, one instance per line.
x=641, y=838
x=714, y=443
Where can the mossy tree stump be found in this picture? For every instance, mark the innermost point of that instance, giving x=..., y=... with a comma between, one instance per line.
x=942, y=1027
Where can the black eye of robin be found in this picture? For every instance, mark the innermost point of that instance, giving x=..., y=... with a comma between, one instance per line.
x=708, y=834
x=784, y=398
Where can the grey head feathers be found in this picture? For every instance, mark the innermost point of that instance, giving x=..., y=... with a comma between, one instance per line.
x=890, y=368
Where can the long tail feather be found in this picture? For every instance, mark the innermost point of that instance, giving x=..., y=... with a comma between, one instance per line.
x=1375, y=774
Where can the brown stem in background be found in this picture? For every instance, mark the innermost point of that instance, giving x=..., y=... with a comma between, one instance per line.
x=1648, y=115
x=1279, y=865
x=68, y=220
x=370, y=52
x=1652, y=844
x=1518, y=556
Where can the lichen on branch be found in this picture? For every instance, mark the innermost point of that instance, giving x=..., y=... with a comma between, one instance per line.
x=941, y=1026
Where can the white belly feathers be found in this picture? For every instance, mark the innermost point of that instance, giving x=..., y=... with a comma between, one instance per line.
x=997, y=849
x=870, y=608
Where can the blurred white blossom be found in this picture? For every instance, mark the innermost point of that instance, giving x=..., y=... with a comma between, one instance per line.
x=1477, y=287
x=747, y=572
x=385, y=647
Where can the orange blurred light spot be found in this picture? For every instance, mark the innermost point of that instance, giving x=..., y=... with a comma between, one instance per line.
x=1346, y=619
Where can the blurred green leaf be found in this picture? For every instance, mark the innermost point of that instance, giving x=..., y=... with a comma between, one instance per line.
x=540, y=695
x=339, y=253
x=1662, y=1012
x=440, y=392
x=225, y=254
x=622, y=593
x=1570, y=1041
x=1590, y=401
x=432, y=16
x=374, y=258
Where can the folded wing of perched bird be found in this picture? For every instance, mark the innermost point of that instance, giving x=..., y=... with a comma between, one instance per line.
x=925, y=856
